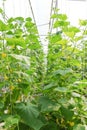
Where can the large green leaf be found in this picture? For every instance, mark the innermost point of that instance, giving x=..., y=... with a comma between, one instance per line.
x=68, y=114
x=29, y=114
x=47, y=105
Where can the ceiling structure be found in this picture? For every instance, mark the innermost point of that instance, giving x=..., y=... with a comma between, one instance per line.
x=41, y=10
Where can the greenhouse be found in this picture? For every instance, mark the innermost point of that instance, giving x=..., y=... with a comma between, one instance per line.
x=43, y=65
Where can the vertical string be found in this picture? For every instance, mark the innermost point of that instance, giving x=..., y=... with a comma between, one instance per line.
x=32, y=11
x=50, y=16
x=3, y=4
x=33, y=16
x=54, y=5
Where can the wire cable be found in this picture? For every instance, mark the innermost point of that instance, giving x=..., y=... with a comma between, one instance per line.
x=53, y=7
x=56, y=18
x=32, y=11
x=43, y=24
x=33, y=16
x=5, y=17
x=50, y=16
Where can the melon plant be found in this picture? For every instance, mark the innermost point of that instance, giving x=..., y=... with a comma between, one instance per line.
x=39, y=96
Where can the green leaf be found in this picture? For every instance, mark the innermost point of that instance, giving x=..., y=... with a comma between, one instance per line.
x=28, y=19
x=71, y=31
x=70, y=34
x=49, y=86
x=54, y=16
x=50, y=126
x=10, y=121
x=10, y=20
x=67, y=113
x=21, y=19
x=18, y=33
x=63, y=100
x=9, y=33
x=1, y=11
x=55, y=38
x=1, y=105
x=82, y=22
x=85, y=32
x=23, y=74
x=34, y=46
x=63, y=41
x=63, y=72
x=3, y=26
x=60, y=24
x=79, y=37
x=29, y=114
x=79, y=127
x=62, y=17
x=61, y=89
x=16, y=41
x=29, y=24
x=22, y=58
x=47, y=105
